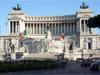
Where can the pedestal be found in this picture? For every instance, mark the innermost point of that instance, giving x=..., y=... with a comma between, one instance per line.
x=13, y=57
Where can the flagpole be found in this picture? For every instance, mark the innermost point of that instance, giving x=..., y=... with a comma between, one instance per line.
x=26, y=41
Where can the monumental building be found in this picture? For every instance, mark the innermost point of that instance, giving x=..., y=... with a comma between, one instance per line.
x=79, y=40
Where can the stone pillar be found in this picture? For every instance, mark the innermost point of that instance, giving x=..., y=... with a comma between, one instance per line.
x=12, y=27
x=45, y=28
x=64, y=28
x=16, y=26
x=55, y=27
x=27, y=28
x=39, y=28
x=77, y=26
x=33, y=28
x=80, y=24
x=74, y=27
x=36, y=29
x=87, y=29
x=61, y=28
x=58, y=28
x=67, y=29
x=70, y=28
x=84, y=27
x=52, y=28
x=42, y=28
x=30, y=28
x=9, y=29
x=19, y=26
x=92, y=30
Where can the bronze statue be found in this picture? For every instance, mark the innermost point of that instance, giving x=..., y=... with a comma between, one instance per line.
x=84, y=6
x=18, y=8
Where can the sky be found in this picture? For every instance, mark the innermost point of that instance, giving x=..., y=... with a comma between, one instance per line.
x=45, y=7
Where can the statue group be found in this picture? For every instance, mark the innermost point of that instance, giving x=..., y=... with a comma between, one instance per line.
x=18, y=8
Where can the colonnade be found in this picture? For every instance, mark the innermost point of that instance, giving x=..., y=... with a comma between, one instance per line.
x=55, y=28
x=14, y=27
x=84, y=28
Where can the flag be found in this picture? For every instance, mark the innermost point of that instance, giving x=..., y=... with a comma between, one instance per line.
x=20, y=34
x=62, y=36
x=24, y=33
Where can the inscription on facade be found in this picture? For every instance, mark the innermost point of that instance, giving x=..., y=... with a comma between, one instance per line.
x=55, y=45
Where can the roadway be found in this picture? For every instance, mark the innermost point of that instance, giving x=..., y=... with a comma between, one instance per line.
x=71, y=68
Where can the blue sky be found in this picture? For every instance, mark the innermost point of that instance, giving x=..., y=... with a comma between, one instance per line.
x=44, y=7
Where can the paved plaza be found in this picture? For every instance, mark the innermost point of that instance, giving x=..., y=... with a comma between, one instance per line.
x=71, y=68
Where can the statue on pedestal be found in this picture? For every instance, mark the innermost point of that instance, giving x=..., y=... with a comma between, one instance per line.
x=12, y=48
x=48, y=35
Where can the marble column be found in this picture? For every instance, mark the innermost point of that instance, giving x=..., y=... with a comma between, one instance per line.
x=9, y=25
x=52, y=28
x=33, y=29
x=19, y=26
x=67, y=28
x=12, y=27
x=39, y=28
x=16, y=26
x=80, y=25
x=92, y=30
x=36, y=29
x=84, y=27
x=42, y=28
x=55, y=27
x=45, y=28
x=64, y=28
x=74, y=27
x=27, y=28
x=77, y=26
x=70, y=28
x=61, y=28
x=30, y=28
x=58, y=28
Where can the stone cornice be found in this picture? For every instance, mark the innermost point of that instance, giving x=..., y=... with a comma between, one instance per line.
x=17, y=12
x=89, y=35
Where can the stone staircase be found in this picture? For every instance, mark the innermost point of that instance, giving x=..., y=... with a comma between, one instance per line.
x=40, y=56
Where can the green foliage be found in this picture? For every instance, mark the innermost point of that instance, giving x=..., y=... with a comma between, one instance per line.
x=31, y=65
x=94, y=22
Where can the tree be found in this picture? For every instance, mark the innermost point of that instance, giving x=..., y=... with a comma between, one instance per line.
x=94, y=22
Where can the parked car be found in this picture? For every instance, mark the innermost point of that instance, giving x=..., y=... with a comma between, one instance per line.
x=94, y=67
x=99, y=64
x=88, y=62
x=83, y=64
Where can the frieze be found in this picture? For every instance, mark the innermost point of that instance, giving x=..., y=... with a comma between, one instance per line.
x=86, y=16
